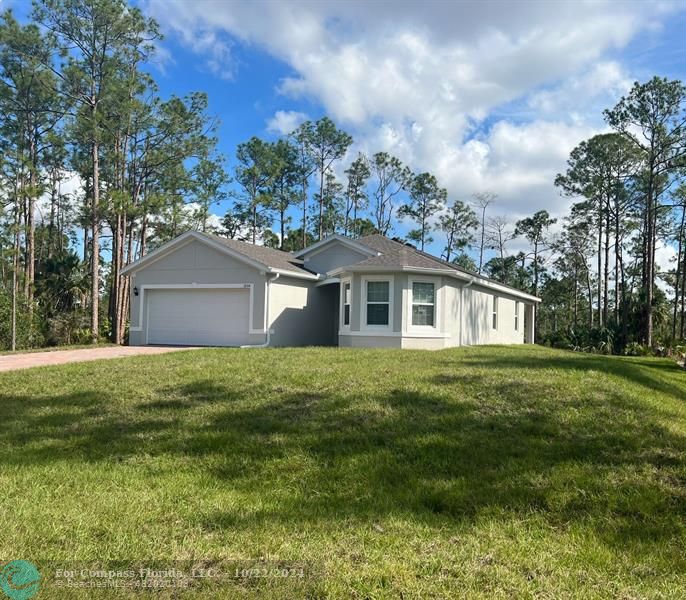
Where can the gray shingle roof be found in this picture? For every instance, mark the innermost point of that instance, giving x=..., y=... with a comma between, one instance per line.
x=269, y=257
x=395, y=254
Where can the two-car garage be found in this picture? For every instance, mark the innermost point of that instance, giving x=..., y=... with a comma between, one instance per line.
x=198, y=317
x=203, y=290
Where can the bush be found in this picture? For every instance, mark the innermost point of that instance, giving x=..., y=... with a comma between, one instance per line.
x=557, y=339
x=636, y=349
x=596, y=340
x=69, y=328
x=29, y=323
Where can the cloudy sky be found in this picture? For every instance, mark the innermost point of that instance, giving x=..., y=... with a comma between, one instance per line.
x=487, y=95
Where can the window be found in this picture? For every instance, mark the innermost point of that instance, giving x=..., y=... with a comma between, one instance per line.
x=346, y=303
x=516, y=316
x=378, y=301
x=423, y=304
x=495, y=312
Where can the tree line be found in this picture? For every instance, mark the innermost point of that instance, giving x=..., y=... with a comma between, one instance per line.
x=597, y=272
x=77, y=103
x=288, y=194
x=632, y=202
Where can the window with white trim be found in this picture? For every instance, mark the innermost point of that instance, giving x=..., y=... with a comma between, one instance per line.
x=495, y=312
x=378, y=302
x=423, y=304
x=346, y=303
x=516, y=322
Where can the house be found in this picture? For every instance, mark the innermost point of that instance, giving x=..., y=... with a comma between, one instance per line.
x=201, y=289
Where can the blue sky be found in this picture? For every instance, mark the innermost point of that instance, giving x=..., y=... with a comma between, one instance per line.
x=489, y=96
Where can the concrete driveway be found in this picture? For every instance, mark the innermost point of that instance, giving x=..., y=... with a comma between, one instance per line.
x=10, y=362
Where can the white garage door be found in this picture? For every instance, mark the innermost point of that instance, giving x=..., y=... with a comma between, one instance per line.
x=199, y=317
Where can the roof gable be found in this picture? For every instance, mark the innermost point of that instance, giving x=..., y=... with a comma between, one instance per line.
x=341, y=239
x=259, y=257
x=268, y=257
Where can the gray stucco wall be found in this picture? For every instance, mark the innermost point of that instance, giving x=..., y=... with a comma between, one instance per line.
x=331, y=257
x=368, y=341
x=478, y=315
x=302, y=314
x=474, y=318
x=451, y=303
x=197, y=263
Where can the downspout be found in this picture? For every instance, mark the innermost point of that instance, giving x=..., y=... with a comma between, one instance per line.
x=266, y=316
x=462, y=289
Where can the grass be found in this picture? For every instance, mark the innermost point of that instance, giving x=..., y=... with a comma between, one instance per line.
x=491, y=472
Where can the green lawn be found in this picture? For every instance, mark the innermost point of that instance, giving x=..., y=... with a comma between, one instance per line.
x=480, y=472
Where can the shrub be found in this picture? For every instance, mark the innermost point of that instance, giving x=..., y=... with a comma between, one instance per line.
x=636, y=349
x=29, y=323
x=69, y=328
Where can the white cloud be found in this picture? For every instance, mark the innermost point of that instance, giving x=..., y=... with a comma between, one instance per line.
x=603, y=81
x=162, y=58
x=214, y=222
x=70, y=188
x=220, y=60
x=285, y=121
x=665, y=256
x=487, y=95
x=202, y=38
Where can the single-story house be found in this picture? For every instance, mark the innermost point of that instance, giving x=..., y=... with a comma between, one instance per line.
x=206, y=290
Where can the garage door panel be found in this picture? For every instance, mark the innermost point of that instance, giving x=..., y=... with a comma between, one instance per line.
x=209, y=317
